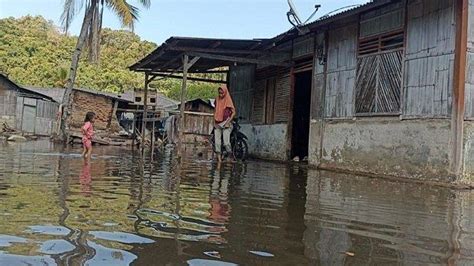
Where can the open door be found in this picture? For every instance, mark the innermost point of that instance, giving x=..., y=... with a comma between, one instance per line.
x=301, y=115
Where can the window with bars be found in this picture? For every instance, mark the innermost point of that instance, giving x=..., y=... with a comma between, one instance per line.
x=379, y=65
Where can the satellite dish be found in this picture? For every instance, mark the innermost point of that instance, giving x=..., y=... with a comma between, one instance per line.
x=293, y=14
x=295, y=19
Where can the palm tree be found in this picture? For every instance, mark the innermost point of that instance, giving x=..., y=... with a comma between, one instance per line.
x=90, y=34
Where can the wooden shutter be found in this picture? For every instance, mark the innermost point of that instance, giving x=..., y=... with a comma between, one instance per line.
x=270, y=101
x=378, y=84
x=258, y=107
x=282, y=99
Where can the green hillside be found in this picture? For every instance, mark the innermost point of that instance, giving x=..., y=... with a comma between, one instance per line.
x=34, y=52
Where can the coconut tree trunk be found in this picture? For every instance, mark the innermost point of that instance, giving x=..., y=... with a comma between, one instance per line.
x=67, y=103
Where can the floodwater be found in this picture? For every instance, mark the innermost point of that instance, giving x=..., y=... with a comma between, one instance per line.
x=120, y=210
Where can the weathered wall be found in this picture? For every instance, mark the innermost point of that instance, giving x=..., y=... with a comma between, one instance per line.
x=241, y=86
x=267, y=141
x=102, y=106
x=386, y=146
x=317, y=104
x=36, y=116
x=341, y=71
x=468, y=155
x=470, y=64
x=429, y=59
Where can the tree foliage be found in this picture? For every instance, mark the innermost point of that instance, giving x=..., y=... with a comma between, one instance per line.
x=34, y=52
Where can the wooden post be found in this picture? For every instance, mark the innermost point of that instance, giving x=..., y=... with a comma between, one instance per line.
x=457, y=119
x=145, y=114
x=183, y=102
x=153, y=138
x=187, y=64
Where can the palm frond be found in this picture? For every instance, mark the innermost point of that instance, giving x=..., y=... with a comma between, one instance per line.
x=126, y=12
x=145, y=3
x=69, y=11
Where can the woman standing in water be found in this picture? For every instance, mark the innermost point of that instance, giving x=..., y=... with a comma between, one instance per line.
x=87, y=133
x=223, y=116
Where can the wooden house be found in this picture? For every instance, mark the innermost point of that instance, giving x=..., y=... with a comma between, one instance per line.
x=385, y=89
x=375, y=90
x=25, y=110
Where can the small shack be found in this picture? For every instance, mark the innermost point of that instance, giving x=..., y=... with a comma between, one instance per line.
x=104, y=105
x=198, y=105
x=25, y=110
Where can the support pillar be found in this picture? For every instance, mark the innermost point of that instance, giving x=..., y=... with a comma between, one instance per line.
x=145, y=114
x=458, y=112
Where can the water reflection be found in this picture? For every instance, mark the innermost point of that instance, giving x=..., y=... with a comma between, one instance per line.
x=120, y=209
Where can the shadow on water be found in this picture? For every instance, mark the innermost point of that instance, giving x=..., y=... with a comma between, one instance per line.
x=121, y=210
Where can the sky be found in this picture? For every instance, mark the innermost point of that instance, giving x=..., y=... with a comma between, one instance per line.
x=235, y=19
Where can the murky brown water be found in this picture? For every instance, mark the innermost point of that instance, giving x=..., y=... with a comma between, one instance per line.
x=56, y=210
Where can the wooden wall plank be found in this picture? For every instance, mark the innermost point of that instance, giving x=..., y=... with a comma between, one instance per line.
x=429, y=58
x=341, y=72
x=469, y=98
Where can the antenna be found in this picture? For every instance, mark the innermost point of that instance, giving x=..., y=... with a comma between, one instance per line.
x=295, y=19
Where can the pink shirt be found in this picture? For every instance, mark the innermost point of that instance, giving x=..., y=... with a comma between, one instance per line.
x=87, y=131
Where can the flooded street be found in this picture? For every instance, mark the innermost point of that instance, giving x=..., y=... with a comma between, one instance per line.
x=118, y=210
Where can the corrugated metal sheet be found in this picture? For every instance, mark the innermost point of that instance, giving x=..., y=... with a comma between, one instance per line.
x=167, y=57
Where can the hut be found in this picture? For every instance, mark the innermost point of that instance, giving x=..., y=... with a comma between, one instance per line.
x=25, y=110
x=382, y=89
x=105, y=105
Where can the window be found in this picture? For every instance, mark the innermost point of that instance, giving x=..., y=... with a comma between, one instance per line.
x=152, y=100
x=138, y=99
x=379, y=62
x=381, y=43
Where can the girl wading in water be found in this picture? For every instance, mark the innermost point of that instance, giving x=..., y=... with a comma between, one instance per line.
x=87, y=133
x=223, y=116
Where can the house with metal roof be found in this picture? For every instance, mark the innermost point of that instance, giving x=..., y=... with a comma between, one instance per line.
x=26, y=111
x=383, y=89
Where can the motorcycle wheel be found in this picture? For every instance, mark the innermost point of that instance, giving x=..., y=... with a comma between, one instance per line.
x=241, y=149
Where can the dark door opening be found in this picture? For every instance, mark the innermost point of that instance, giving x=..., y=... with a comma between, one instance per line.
x=301, y=115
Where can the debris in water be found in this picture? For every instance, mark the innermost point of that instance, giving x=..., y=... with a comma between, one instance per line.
x=213, y=254
x=350, y=254
x=262, y=254
x=202, y=262
x=17, y=138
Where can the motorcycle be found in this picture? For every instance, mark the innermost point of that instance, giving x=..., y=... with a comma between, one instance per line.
x=238, y=141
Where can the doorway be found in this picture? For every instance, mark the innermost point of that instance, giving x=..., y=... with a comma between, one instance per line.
x=301, y=115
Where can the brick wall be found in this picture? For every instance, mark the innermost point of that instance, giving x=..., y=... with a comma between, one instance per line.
x=102, y=106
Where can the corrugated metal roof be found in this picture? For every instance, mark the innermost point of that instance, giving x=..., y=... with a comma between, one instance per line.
x=325, y=20
x=57, y=94
x=25, y=91
x=161, y=100
x=167, y=57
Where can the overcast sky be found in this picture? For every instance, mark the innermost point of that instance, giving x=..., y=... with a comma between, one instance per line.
x=240, y=19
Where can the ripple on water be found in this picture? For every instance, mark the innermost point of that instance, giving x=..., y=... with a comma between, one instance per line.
x=12, y=259
x=56, y=246
x=121, y=237
x=49, y=230
x=109, y=256
x=6, y=240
